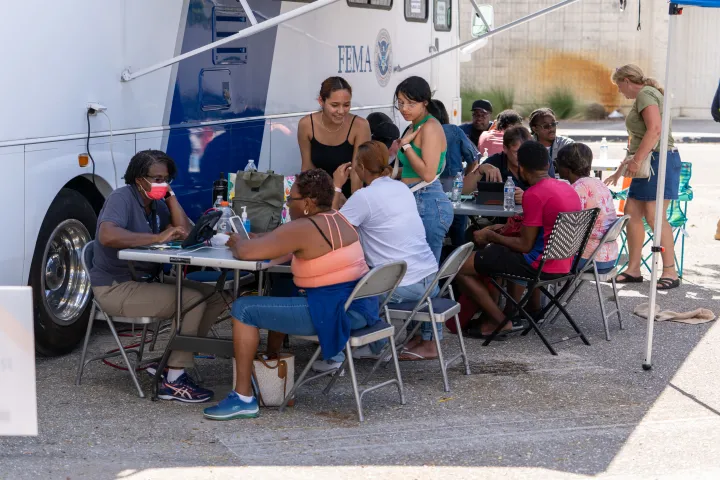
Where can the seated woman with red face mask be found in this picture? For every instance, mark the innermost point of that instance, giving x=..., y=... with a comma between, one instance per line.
x=144, y=212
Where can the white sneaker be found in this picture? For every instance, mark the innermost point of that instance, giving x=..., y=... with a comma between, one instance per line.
x=321, y=366
x=365, y=353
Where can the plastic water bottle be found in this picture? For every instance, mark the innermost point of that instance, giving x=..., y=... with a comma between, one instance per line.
x=223, y=225
x=218, y=201
x=250, y=167
x=457, y=188
x=509, y=195
x=604, y=150
x=484, y=156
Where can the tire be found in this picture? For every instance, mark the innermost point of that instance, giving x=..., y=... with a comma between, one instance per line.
x=61, y=290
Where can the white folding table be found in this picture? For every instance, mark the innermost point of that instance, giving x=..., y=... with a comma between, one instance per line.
x=214, y=257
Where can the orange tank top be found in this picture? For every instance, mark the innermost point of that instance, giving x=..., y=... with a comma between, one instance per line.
x=344, y=264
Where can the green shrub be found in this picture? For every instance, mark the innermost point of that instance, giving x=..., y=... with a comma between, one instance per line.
x=595, y=111
x=501, y=99
x=563, y=103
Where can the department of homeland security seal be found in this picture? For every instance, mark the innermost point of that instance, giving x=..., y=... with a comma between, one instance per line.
x=383, y=58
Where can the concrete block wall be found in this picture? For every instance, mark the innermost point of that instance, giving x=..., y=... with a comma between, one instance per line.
x=579, y=46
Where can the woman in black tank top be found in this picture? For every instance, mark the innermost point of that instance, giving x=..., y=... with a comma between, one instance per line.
x=330, y=137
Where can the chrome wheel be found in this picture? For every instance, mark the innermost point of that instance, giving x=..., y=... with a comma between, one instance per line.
x=64, y=283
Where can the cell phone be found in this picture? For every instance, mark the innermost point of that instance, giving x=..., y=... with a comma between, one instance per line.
x=238, y=226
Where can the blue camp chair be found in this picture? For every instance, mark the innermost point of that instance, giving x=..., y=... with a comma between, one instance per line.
x=677, y=217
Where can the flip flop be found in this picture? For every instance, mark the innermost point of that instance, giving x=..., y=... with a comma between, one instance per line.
x=415, y=357
x=628, y=278
x=665, y=283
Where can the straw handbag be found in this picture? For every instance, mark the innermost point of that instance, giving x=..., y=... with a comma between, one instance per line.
x=274, y=378
x=644, y=171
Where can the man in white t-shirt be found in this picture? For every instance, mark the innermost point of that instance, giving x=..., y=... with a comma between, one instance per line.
x=390, y=228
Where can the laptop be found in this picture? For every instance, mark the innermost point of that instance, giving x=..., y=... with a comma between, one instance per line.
x=490, y=193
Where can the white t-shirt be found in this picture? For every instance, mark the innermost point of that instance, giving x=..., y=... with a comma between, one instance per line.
x=386, y=215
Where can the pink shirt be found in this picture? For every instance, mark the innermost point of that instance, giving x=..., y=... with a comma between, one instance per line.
x=492, y=140
x=541, y=205
x=594, y=194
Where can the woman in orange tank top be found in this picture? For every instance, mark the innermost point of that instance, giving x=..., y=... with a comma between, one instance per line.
x=327, y=261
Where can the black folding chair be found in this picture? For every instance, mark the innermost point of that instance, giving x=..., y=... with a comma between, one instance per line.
x=569, y=236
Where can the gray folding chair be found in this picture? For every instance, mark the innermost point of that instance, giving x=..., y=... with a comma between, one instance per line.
x=379, y=281
x=436, y=310
x=590, y=273
x=97, y=313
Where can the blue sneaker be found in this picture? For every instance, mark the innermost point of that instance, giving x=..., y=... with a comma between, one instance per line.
x=231, y=408
x=183, y=390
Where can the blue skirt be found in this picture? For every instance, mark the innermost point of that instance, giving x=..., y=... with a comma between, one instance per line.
x=645, y=189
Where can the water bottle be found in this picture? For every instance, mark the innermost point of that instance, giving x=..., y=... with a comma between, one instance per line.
x=223, y=225
x=509, y=195
x=250, y=167
x=457, y=188
x=218, y=201
x=604, y=150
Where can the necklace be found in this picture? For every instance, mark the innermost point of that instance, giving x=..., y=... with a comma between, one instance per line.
x=322, y=122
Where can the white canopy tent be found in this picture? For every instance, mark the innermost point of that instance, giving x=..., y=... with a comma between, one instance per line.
x=675, y=10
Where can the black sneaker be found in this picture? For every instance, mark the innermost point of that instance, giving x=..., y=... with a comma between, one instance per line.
x=184, y=390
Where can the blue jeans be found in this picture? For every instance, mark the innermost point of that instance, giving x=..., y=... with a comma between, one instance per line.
x=602, y=267
x=413, y=293
x=289, y=315
x=436, y=213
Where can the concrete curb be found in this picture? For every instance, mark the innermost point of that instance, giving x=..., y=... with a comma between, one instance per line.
x=617, y=136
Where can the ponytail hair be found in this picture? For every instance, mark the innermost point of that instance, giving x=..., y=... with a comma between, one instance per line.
x=636, y=76
x=374, y=157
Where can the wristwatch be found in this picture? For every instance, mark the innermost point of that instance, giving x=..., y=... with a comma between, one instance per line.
x=405, y=147
x=169, y=194
x=338, y=190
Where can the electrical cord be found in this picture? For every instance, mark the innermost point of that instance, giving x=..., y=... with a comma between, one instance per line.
x=112, y=154
x=87, y=147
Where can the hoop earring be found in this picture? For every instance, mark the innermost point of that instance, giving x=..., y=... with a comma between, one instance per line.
x=306, y=212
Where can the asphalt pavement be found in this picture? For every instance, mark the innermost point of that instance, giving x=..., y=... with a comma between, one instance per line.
x=591, y=411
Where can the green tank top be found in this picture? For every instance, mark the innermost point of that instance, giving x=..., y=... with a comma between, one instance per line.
x=408, y=171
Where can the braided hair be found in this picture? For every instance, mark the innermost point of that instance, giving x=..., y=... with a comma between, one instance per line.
x=140, y=164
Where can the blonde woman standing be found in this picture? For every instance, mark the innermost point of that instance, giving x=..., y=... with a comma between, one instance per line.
x=644, y=126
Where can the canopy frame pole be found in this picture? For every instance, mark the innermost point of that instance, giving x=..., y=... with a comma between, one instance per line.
x=248, y=11
x=491, y=33
x=660, y=213
x=127, y=75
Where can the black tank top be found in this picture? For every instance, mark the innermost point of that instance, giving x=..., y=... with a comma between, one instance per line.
x=330, y=157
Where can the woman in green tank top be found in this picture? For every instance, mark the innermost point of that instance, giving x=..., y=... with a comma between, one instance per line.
x=421, y=152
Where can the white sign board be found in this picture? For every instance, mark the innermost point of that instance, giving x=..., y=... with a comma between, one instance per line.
x=18, y=412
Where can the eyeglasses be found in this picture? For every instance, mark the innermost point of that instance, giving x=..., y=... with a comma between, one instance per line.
x=167, y=180
x=403, y=106
x=548, y=126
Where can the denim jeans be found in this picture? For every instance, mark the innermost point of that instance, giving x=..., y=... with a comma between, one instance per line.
x=289, y=315
x=436, y=213
x=413, y=293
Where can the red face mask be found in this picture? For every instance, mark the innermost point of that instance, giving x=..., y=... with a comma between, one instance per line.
x=157, y=191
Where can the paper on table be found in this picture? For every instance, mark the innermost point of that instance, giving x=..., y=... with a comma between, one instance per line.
x=18, y=411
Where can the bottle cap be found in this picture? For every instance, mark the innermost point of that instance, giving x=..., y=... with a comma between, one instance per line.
x=224, y=203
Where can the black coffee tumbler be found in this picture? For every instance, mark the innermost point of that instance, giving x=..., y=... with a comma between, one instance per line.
x=220, y=188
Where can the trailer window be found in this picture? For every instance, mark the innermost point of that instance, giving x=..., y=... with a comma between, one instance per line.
x=383, y=4
x=443, y=15
x=416, y=10
x=215, y=89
